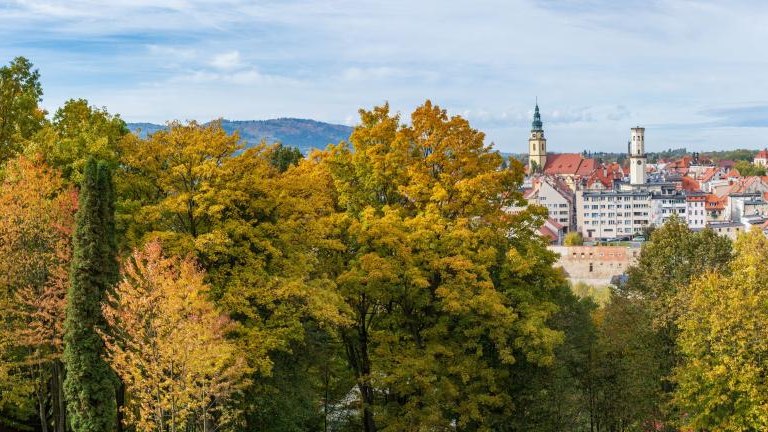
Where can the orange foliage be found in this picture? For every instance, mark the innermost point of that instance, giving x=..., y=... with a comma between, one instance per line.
x=168, y=345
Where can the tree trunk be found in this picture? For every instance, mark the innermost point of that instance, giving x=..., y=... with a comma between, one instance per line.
x=41, y=405
x=120, y=404
x=57, y=394
x=356, y=345
x=366, y=389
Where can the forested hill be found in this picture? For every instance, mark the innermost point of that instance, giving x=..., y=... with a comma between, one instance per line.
x=301, y=133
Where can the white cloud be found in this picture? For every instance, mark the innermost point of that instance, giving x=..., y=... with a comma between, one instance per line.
x=227, y=60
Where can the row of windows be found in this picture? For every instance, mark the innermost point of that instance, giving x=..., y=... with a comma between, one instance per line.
x=617, y=206
x=610, y=214
x=614, y=198
x=616, y=222
x=543, y=198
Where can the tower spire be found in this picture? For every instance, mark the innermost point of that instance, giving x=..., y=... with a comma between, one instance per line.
x=536, y=125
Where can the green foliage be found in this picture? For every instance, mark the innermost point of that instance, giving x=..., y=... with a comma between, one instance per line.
x=668, y=261
x=573, y=238
x=599, y=294
x=625, y=370
x=78, y=132
x=721, y=379
x=20, y=114
x=90, y=384
x=557, y=397
x=735, y=155
x=282, y=157
x=747, y=169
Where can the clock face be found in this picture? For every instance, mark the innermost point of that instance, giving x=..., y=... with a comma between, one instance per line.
x=639, y=162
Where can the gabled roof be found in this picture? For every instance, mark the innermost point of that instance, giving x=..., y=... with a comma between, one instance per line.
x=564, y=163
x=568, y=164
x=708, y=174
x=713, y=202
x=762, y=154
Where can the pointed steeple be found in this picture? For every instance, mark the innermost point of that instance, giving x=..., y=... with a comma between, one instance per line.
x=536, y=125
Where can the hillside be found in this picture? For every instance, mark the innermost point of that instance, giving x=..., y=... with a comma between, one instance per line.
x=301, y=133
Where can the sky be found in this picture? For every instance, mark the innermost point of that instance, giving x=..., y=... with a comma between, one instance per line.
x=694, y=73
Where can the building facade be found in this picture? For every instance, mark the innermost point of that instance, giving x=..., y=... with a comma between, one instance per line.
x=612, y=214
x=557, y=198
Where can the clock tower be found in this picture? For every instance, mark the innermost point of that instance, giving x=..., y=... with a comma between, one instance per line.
x=637, y=158
x=537, y=144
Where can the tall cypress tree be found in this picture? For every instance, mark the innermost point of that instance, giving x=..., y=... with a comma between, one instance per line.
x=90, y=383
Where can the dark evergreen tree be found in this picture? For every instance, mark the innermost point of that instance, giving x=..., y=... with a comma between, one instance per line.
x=90, y=383
x=283, y=157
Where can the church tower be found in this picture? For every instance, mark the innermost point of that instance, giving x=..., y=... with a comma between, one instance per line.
x=637, y=159
x=537, y=144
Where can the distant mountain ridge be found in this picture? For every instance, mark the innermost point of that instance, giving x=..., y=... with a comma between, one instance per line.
x=302, y=133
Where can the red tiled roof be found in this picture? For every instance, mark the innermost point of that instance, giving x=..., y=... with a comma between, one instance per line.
x=708, y=174
x=762, y=154
x=586, y=167
x=714, y=202
x=568, y=164
x=690, y=185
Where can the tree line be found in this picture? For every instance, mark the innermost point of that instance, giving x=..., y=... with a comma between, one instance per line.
x=186, y=282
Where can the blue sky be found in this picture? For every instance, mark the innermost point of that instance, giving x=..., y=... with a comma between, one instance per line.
x=692, y=72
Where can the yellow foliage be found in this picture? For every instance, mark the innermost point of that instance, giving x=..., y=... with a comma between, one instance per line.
x=168, y=345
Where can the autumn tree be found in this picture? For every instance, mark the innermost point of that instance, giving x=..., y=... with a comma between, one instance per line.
x=79, y=131
x=259, y=233
x=746, y=169
x=573, y=239
x=445, y=290
x=672, y=257
x=36, y=222
x=20, y=113
x=721, y=381
x=167, y=342
x=90, y=384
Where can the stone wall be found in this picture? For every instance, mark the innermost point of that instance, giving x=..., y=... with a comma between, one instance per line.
x=595, y=265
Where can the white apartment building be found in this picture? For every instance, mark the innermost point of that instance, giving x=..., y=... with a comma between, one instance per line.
x=695, y=210
x=611, y=214
x=664, y=206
